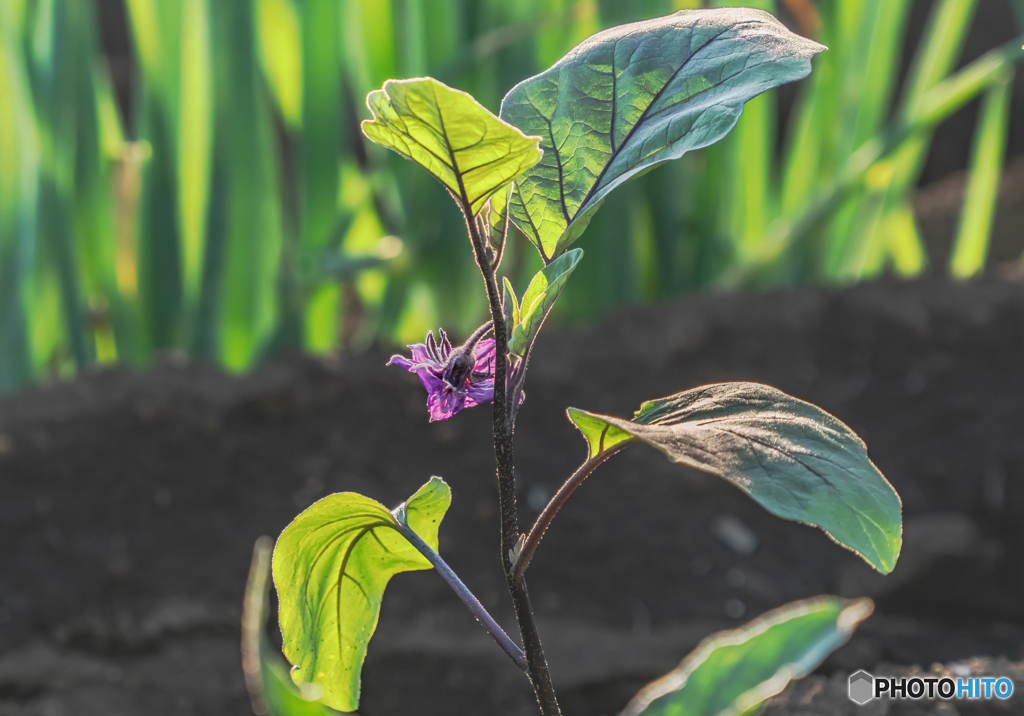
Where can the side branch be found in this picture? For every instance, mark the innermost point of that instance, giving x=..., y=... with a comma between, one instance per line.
x=544, y=519
x=468, y=598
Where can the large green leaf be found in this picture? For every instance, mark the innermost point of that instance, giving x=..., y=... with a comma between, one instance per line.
x=793, y=458
x=732, y=671
x=539, y=298
x=331, y=565
x=451, y=135
x=637, y=95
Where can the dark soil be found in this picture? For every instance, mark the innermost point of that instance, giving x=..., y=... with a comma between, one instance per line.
x=131, y=504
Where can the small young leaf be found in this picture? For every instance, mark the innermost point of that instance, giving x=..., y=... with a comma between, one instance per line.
x=793, y=458
x=731, y=672
x=637, y=95
x=495, y=215
x=330, y=566
x=451, y=135
x=599, y=434
x=540, y=297
x=511, y=308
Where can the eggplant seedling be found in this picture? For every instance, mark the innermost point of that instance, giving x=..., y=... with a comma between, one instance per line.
x=619, y=104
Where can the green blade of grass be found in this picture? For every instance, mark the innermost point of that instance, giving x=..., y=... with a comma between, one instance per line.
x=802, y=158
x=808, y=156
x=156, y=35
x=280, y=41
x=943, y=39
x=321, y=118
x=320, y=154
x=880, y=46
x=19, y=166
x=934, y=106
x=903, y=240
x=750, y=154
x=204, y=331
x=117, y=325
x=194, y=141
x=252, y=251
x=55, y=54
x=871, y=66
x=944, y=36
x=971, y=246
x=411, y=25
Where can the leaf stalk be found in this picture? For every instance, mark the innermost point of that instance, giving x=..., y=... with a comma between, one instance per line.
x=468, y=598
x=544, y=519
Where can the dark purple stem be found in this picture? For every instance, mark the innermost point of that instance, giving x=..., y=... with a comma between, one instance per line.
x=468, y=598
x=504, y=428
x=544, y=519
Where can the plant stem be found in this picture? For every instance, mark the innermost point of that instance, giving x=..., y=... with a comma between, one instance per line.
x=504, y=428
x=544, y=519
x=468, y=598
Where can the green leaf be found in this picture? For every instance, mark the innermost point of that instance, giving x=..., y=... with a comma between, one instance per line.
x=635, y=96
x=452, y=136
x=331, y=565
x=495, y=216
x=733, y=671
x=511, y=307
x=791, y=457
x=539, y=298
x=601, y=436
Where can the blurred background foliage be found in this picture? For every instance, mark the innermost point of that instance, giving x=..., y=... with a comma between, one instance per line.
x=189, y=174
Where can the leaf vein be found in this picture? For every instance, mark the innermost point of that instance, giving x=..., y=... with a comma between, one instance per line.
x=643, y=115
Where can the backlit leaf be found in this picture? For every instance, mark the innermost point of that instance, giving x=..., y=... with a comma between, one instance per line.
x=637, y=95
x=331, y=565
x=791, y=457
x=511, y=307
x=732, y=671
x=495, y=216
x=451, y=135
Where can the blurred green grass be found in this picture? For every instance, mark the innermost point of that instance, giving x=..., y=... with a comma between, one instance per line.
x=237, y=213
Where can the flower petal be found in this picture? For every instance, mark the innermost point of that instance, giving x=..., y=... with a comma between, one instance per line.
x=445, y=403
x=421, y=354
x=431, y=381
x=429, y=361
x=401, y=362
x=480, y=393
x=484, y=353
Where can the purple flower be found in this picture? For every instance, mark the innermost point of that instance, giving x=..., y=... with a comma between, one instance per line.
x=454, y=378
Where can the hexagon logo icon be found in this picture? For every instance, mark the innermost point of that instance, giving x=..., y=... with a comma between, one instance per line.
x=862, y=687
